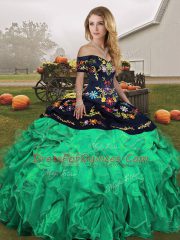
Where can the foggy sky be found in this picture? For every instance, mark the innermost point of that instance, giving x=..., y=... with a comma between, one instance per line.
x=65, y=18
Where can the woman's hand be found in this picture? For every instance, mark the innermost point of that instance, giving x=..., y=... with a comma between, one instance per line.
x=79, y=110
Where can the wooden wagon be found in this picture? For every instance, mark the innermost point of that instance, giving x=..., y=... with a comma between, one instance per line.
x=52, y=89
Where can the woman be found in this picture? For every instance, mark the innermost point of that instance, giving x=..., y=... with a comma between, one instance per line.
x=92, y=167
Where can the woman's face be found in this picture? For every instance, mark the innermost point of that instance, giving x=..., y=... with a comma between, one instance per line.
x=97, y=27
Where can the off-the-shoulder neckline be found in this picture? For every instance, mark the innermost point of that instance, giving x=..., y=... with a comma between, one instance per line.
x=95, y=56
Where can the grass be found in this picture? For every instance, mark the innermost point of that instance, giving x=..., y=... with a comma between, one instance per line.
x=12, y=120
x=161, y=96
x=19, y=77
x=166, y=97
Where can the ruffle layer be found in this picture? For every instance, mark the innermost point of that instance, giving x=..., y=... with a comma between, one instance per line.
x=62, y=183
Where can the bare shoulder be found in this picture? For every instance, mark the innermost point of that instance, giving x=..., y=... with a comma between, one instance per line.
x=84, y=50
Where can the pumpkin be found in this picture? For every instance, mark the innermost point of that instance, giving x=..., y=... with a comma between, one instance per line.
x=40, y=70
x=175, y=114
x=162, y=116
x=20, y=102
x=6, y=98
x=123, y=85
x=131, y=87
x=60, y=59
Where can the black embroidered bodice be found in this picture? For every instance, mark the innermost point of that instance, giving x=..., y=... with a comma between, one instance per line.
x=100, y=74
x=104, y=108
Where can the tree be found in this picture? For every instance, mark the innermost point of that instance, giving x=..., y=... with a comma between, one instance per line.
x=25, y=45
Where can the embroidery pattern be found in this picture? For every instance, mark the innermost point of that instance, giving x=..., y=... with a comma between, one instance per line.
x=106, y=67
x=92, y=121
x=93, y=112
x=66, y=121
x=126, y=113
x=67, y=105
x=124, y=128
x=147, y=124
x=82, y=66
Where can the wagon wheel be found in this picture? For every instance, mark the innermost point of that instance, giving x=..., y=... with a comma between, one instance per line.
x=55, y=90
x=40, y=90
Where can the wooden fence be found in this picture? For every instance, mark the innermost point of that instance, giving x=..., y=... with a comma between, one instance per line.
x=21, y=69
x=4, y=71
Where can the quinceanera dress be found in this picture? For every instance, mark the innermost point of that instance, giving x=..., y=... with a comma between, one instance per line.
x=109, y=175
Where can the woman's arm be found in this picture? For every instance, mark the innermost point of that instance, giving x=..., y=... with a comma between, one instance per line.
x=120, y=91
x=79, y=86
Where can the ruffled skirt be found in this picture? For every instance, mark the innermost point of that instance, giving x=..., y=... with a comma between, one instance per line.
x=61, y=183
